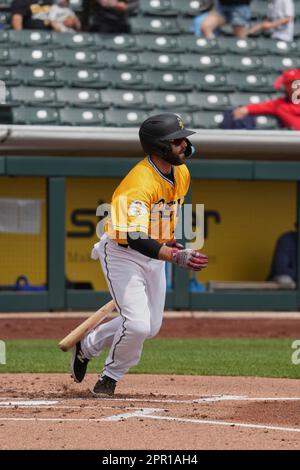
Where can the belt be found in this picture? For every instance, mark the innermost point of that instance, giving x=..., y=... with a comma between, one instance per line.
x=123, y=245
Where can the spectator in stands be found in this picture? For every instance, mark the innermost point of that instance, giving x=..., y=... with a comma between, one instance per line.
x=286, y=109
x=30, y=14
x=204, y=9
x=284, y=263
x=280, y=21
x=108, y=16
x=235, y=12
x=62, y=18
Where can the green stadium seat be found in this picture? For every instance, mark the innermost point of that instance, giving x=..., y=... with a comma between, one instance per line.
x=278, y=47
x=189, y=7
x=116, y=59
x=69, y=116
x=6, y=56
x=5, y=4
x=238, y=46
x=35, y=75
x=155, y=25
x=117, y=42
x=30, y=38
x=161, y=61
x=169, y=80
x=160, y=43
x=76, y=5
x=191, y=43
x=35, y=115
x=125, y=117
x=5, y=19
x=209, y=81
x=201, y=63
x=32, y=56
x=297, y=30
x=252, y=82
x=207, y=119
x=209, y=101
x=266, y=123
x=80, y=77
x=6, y=76
x=124, y=99
x=4, y=38
x=185, y=25
x=157, y=7
x=168, y=100
x=128, y=79
x=277, y=63
x=75, y=58
x=80, y=97
x=33, y=96
x=74, y=41
x=259, y=9
x=240, y=99
x=242, y=63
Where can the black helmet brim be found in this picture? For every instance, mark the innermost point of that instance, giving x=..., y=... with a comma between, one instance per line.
x=180, y=134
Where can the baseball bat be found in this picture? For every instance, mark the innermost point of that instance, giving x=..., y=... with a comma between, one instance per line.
x=78, y=333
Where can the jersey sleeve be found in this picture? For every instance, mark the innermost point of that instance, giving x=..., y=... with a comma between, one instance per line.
x=130, y=211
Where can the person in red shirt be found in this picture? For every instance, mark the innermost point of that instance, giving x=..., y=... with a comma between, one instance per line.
x=286, y=109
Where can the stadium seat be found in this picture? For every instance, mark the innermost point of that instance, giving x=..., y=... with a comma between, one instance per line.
x=191, y=43
x=32, y=56
x=240, y=99
x=76, y=5
x=5, y=19
x=209, y=81
x=297, y=30
x=201, y=62
x=266, y=123
x=74, y=41
x=35, y=75
x=128, y=79
x=75, y=58
x=252, y=82
x=28, y=38
x=6, y=76
x=116, y=59
x=80, y=77
x=34, y=115
x=160, y=43
x=33, y=96
x=166, y=80
x=117, y=42
x=157, y=7
x=164, y=61
x=209, y=101
x=238, y=46
x=184, y=25
x=4, y=38
x=168, y=100
x=259, y=9
x=69, y=116
x=279, y=47
x=6, y=57
x=242, y=63
x=124, y=99
x=156, y=25
x=125, y=117
x=80, y=97
x=278, y=63
x=188, y=7
x=207, y=119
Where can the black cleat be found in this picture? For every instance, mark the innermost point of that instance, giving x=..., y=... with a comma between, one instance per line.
x=105, y=387
x=78, y=363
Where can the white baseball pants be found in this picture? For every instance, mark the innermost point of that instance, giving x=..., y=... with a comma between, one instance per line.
x=138, y=286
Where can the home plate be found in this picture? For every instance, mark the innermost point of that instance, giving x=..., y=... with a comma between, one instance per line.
x=25, y=403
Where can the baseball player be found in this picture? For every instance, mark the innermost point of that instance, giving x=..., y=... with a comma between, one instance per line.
x=138, y=240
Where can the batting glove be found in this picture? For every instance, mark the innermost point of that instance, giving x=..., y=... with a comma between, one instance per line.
x=189, y=259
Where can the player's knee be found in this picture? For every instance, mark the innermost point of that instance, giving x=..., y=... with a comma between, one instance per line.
x=139, y=329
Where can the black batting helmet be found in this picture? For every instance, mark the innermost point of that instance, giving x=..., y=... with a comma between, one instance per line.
x=156, y=132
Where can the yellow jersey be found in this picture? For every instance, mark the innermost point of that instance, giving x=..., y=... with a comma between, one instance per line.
x=147, y=201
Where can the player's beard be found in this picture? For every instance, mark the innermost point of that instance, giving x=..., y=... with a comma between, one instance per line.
x=175, y=160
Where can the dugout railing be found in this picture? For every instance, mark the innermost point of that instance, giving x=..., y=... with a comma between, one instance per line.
x=58, y=297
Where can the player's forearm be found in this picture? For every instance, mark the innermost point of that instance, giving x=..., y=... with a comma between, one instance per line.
x=146, y=246
x=281, y=22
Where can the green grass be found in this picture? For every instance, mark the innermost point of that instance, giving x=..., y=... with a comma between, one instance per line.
x=239, y=357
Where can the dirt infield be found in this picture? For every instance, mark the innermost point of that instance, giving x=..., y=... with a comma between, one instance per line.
x=49, y=411
x=181, y=327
